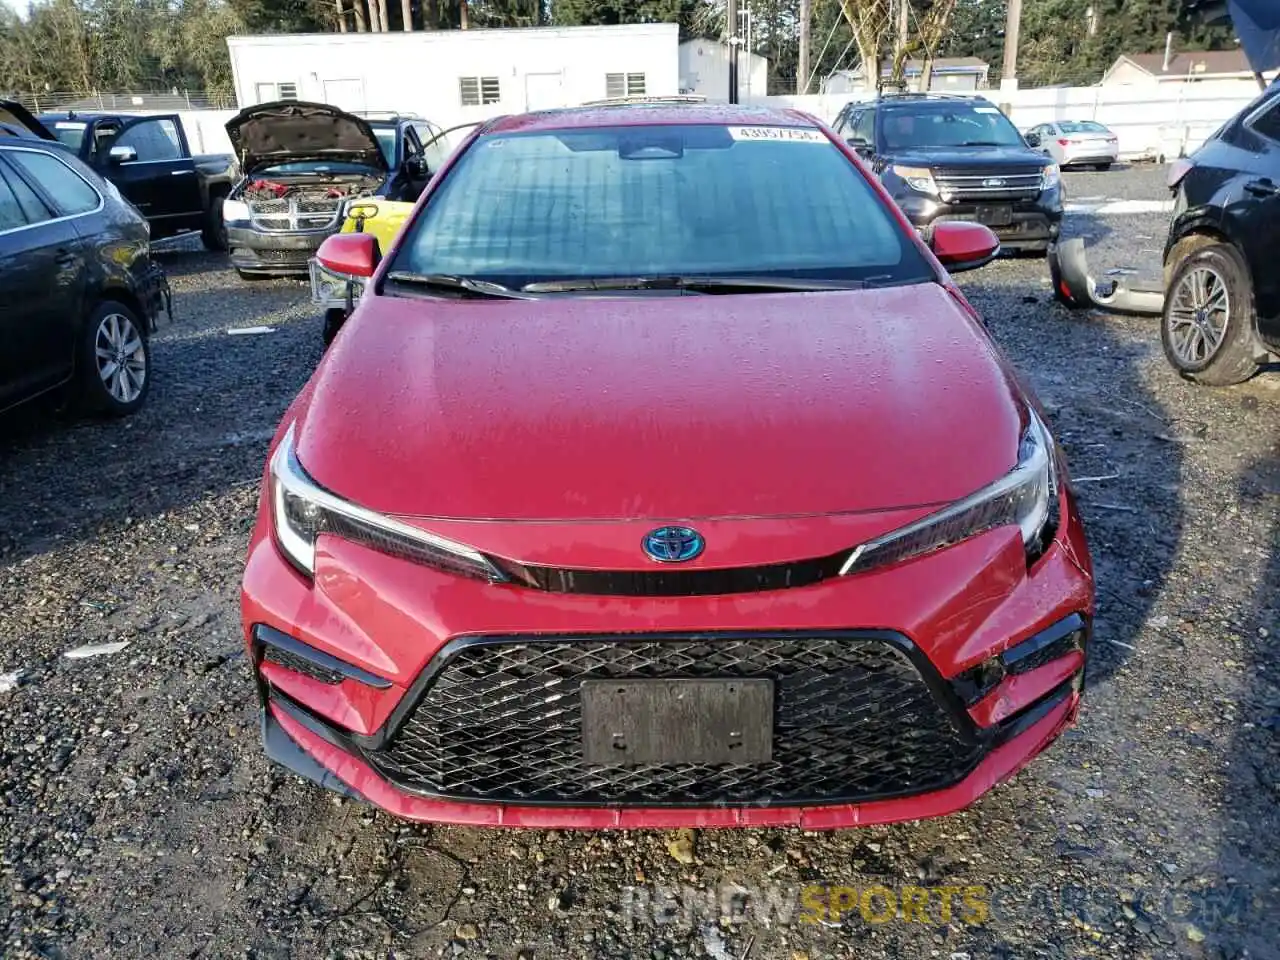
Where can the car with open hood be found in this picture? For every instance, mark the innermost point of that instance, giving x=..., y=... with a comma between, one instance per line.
x=663, y=476
x=301, y=163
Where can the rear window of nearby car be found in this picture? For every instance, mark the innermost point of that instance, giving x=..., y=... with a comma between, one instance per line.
x=658, y=201
x=1082, y=126
x=941, y=125
x=69, y=191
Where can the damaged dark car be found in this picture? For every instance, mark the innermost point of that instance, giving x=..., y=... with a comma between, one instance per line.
x=301, y=162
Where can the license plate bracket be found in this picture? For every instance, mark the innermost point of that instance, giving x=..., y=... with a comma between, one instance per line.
x=633, y=722
x=997, y=215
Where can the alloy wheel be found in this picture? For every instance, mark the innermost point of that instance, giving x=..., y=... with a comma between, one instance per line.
x=1199, y=309
x=121, y=355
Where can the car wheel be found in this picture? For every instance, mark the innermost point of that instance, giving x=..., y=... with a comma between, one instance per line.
x=214, y=232
x=333, y=321
x=114, y=361
x=1207, y=326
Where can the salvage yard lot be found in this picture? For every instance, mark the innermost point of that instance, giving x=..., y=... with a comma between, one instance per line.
x=139, y=817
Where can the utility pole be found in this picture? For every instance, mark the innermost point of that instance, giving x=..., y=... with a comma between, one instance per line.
x=802, y=68
x=1011, y=24
x=731, y=17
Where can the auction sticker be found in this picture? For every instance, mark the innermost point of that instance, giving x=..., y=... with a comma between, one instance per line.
x=789, y=134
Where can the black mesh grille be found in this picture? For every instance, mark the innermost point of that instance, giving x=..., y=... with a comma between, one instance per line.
x=292, y=661
x=854, y=720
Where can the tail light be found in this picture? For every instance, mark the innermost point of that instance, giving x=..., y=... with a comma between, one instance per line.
x=1064, y=142
x=1178, y=171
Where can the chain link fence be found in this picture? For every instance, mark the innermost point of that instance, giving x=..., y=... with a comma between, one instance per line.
x=57, y=101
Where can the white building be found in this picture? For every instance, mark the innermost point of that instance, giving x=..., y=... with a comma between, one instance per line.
x=456, y=76
x=704, y=70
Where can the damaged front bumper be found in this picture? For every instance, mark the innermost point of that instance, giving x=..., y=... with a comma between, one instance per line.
x=1075, y=287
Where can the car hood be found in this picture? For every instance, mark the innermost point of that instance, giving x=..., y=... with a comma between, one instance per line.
x=290, y=130
x=660, y=407
x=17, y=115
x=1013, y=158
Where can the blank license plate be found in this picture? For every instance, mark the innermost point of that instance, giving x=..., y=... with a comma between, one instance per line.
x=995, y=216
x=629, y=722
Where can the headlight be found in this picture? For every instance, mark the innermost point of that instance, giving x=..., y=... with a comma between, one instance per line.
x=301, y=510
x=1025, y=496
x=234, y=210
x=1050, y=177
x=917, y=178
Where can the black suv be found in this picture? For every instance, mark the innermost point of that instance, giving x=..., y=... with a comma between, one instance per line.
x=81, y=292
x=1222, y=289
x=958, y=158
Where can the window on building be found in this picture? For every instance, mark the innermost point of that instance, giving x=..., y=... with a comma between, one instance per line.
x=623, y=85
x=477, y=91
x=267, y=92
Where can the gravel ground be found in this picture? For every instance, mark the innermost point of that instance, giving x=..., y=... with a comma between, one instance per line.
x=139, y=818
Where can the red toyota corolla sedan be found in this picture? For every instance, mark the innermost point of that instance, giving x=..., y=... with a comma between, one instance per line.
x=663, y=477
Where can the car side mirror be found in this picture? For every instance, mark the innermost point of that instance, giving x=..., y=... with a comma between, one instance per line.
x=1033, y=139
x=416, y=168
x=963, y=246
x=122, y=155
x=350, y=254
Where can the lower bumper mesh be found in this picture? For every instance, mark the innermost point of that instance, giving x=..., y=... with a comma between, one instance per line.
x=854, y=720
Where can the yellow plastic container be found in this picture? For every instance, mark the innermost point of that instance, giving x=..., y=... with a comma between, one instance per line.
x=382, y=218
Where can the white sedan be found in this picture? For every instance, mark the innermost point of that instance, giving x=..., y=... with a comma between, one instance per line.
x=1077, y=143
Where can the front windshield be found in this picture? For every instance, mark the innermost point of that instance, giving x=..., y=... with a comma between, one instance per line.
x=387, y=143
x=941, y=125
x=659, y=201
x=316, y=167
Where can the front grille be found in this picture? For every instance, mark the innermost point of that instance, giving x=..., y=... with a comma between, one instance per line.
x=989, y=185
x=281, y=256
x=854, y=721
x=292, y=214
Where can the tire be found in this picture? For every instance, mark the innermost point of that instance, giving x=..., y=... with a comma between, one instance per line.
x=1207, y=325
x=333, y=321
x=213, y=234
x=113, y=361
x=1104, y=167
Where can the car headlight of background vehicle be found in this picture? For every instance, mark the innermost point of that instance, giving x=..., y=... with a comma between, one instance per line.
x=233, y=210
x=301, y=510
x=1050, y=177
x=917, y=178
x=1026, y=496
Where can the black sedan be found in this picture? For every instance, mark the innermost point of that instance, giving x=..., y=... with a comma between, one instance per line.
x=81, y=292
x=1222, y=289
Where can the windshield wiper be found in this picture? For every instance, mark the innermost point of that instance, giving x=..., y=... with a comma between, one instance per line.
x=463, y=285
x=695, y=283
